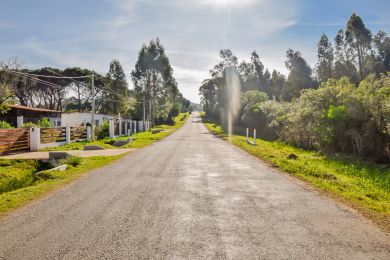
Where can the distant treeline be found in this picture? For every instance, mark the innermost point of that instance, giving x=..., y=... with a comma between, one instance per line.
x=342, y=105
x=152, y=76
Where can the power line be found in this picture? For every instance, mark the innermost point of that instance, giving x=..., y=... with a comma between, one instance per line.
x=37, y=80
x=72, y=79
x=27, y=76
x=55, y=77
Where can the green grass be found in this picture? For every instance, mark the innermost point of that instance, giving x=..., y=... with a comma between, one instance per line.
x=38, y=187
x=140, y=139
x=16, y=174
x=363, y=185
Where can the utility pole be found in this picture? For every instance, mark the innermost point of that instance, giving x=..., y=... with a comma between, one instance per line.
x=93, y=108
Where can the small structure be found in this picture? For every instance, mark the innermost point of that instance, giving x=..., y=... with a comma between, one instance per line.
x=83, y=118
x=18, y=115
x=118, y=125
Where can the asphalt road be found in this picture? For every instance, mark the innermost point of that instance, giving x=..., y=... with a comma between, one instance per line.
x=189, y=196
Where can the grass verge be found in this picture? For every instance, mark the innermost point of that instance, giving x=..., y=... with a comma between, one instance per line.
x=39, y=187
x=363, y=185
x=140, y=139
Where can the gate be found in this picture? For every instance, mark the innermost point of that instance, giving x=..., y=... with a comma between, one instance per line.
x=14, y=140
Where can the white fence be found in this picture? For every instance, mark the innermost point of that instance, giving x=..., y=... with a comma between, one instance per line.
x=41, y=138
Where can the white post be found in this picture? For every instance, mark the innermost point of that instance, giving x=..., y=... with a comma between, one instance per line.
x=254, y=136
x=88, y=133
x=135, y=127
x=19, y=121
x=35, y=138
x=67, y=135
x=126, y=130
x=120, y=125
x=247, y=134
x=131, y=127
x=111, y=128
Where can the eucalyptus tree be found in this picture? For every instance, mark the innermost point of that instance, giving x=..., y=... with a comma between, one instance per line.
x=299, y=76
x=382, y=44
x=277, y=83
x=115, y=91
x=153, y=79
x=325, y=55
x=360, y=39
x=344, y=58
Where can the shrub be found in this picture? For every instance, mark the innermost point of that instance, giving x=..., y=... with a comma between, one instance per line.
x=44, y=122
x=103, y=131
x=5, y=125
x=73, y=160
x=29, y=125
x=173, y=112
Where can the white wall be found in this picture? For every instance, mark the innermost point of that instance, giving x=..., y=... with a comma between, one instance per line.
x=80, y=119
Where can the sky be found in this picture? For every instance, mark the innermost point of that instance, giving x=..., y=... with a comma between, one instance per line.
x=90, y=33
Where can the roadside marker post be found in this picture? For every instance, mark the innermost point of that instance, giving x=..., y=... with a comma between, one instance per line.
x=254, y=136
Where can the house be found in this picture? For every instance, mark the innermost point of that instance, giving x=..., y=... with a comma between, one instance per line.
x=17, y=115
x=121, y=125
x=83, y=118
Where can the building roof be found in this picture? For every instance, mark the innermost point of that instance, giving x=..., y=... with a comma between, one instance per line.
x=34, y=109
x=87, y=113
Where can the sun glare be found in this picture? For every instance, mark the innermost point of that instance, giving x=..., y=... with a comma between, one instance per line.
x=222, y=3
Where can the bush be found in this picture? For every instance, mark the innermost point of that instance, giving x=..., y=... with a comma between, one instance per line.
x=29, y=125
x=44, y=122
x=103, y=131
x=73, y=160
x=337, y=117
x=5, y=125
x=173, y=112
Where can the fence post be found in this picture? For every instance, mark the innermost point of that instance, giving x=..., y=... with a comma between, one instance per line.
x=35, y=138
x=111, y=128
x=254, y=136
x=247, y=134
x=126, y=127
x=67, y=135
x=120, y=125
x=19, y=121
x=88, y=133
x=135, y=127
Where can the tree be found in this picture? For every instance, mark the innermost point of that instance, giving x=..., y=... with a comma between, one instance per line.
x=81, y=87
x=299, y=76
x=153, y=80
x=208, y=98
x=252, y=116
x=345, y=57
x=382, y=44
x=360, y=38
x=325, y=59
x=6, y=93
x=228, y=59
x=115, y=91
x=277, y=83
x=253, y=75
